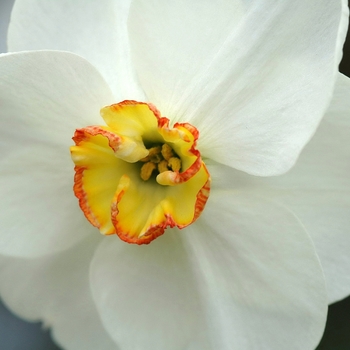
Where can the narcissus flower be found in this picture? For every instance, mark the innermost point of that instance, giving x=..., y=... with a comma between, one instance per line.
x=178, y=112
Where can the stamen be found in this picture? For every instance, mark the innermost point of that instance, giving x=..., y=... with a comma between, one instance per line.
x=162, y=158
x=147, y=170
x=167, y=151
x=153, y=155
x=174, y=163
x=163, y=166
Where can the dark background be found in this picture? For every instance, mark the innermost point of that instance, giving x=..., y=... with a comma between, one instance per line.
x=15, y=334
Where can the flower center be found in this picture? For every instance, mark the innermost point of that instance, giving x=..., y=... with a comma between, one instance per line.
x=160, y=158
x=136, y=176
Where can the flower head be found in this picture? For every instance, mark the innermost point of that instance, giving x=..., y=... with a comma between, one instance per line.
x=114, y=167
x=241, y=87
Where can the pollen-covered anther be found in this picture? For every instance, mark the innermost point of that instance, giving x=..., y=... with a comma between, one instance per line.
x=154, y=155
x=174, y=163
x=167, y=152
x=161, y=158
x=163, y=166
x=147, y=170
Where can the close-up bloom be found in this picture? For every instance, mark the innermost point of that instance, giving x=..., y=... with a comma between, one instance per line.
x=175, y=175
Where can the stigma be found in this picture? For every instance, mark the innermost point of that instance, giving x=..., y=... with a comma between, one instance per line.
x=136, y=175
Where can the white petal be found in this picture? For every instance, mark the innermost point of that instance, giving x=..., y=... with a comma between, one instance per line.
x=44, y=97
x=259, y=276
x=56, y=290
x=254, y=77
x=95, y=30
x=317, y=190
x=321, y=196
x=146, y=295
x=326, y=216
x=247, y=277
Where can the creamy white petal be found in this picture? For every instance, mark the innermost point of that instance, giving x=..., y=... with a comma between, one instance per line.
x=244, y=276
x=326, y=216
x=259, y=276
x=317, y=190
x=55, y=289
x=44, y=97
x=95, y=30
x=320, y=194
x=255, y=77
x=146, y=295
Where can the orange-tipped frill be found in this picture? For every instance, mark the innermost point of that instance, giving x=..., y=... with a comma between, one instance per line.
x=137, y=176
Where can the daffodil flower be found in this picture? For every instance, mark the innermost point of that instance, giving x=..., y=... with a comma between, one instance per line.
x=179, y=112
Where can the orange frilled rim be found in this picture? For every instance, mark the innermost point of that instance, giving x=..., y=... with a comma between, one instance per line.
x=107, y=181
